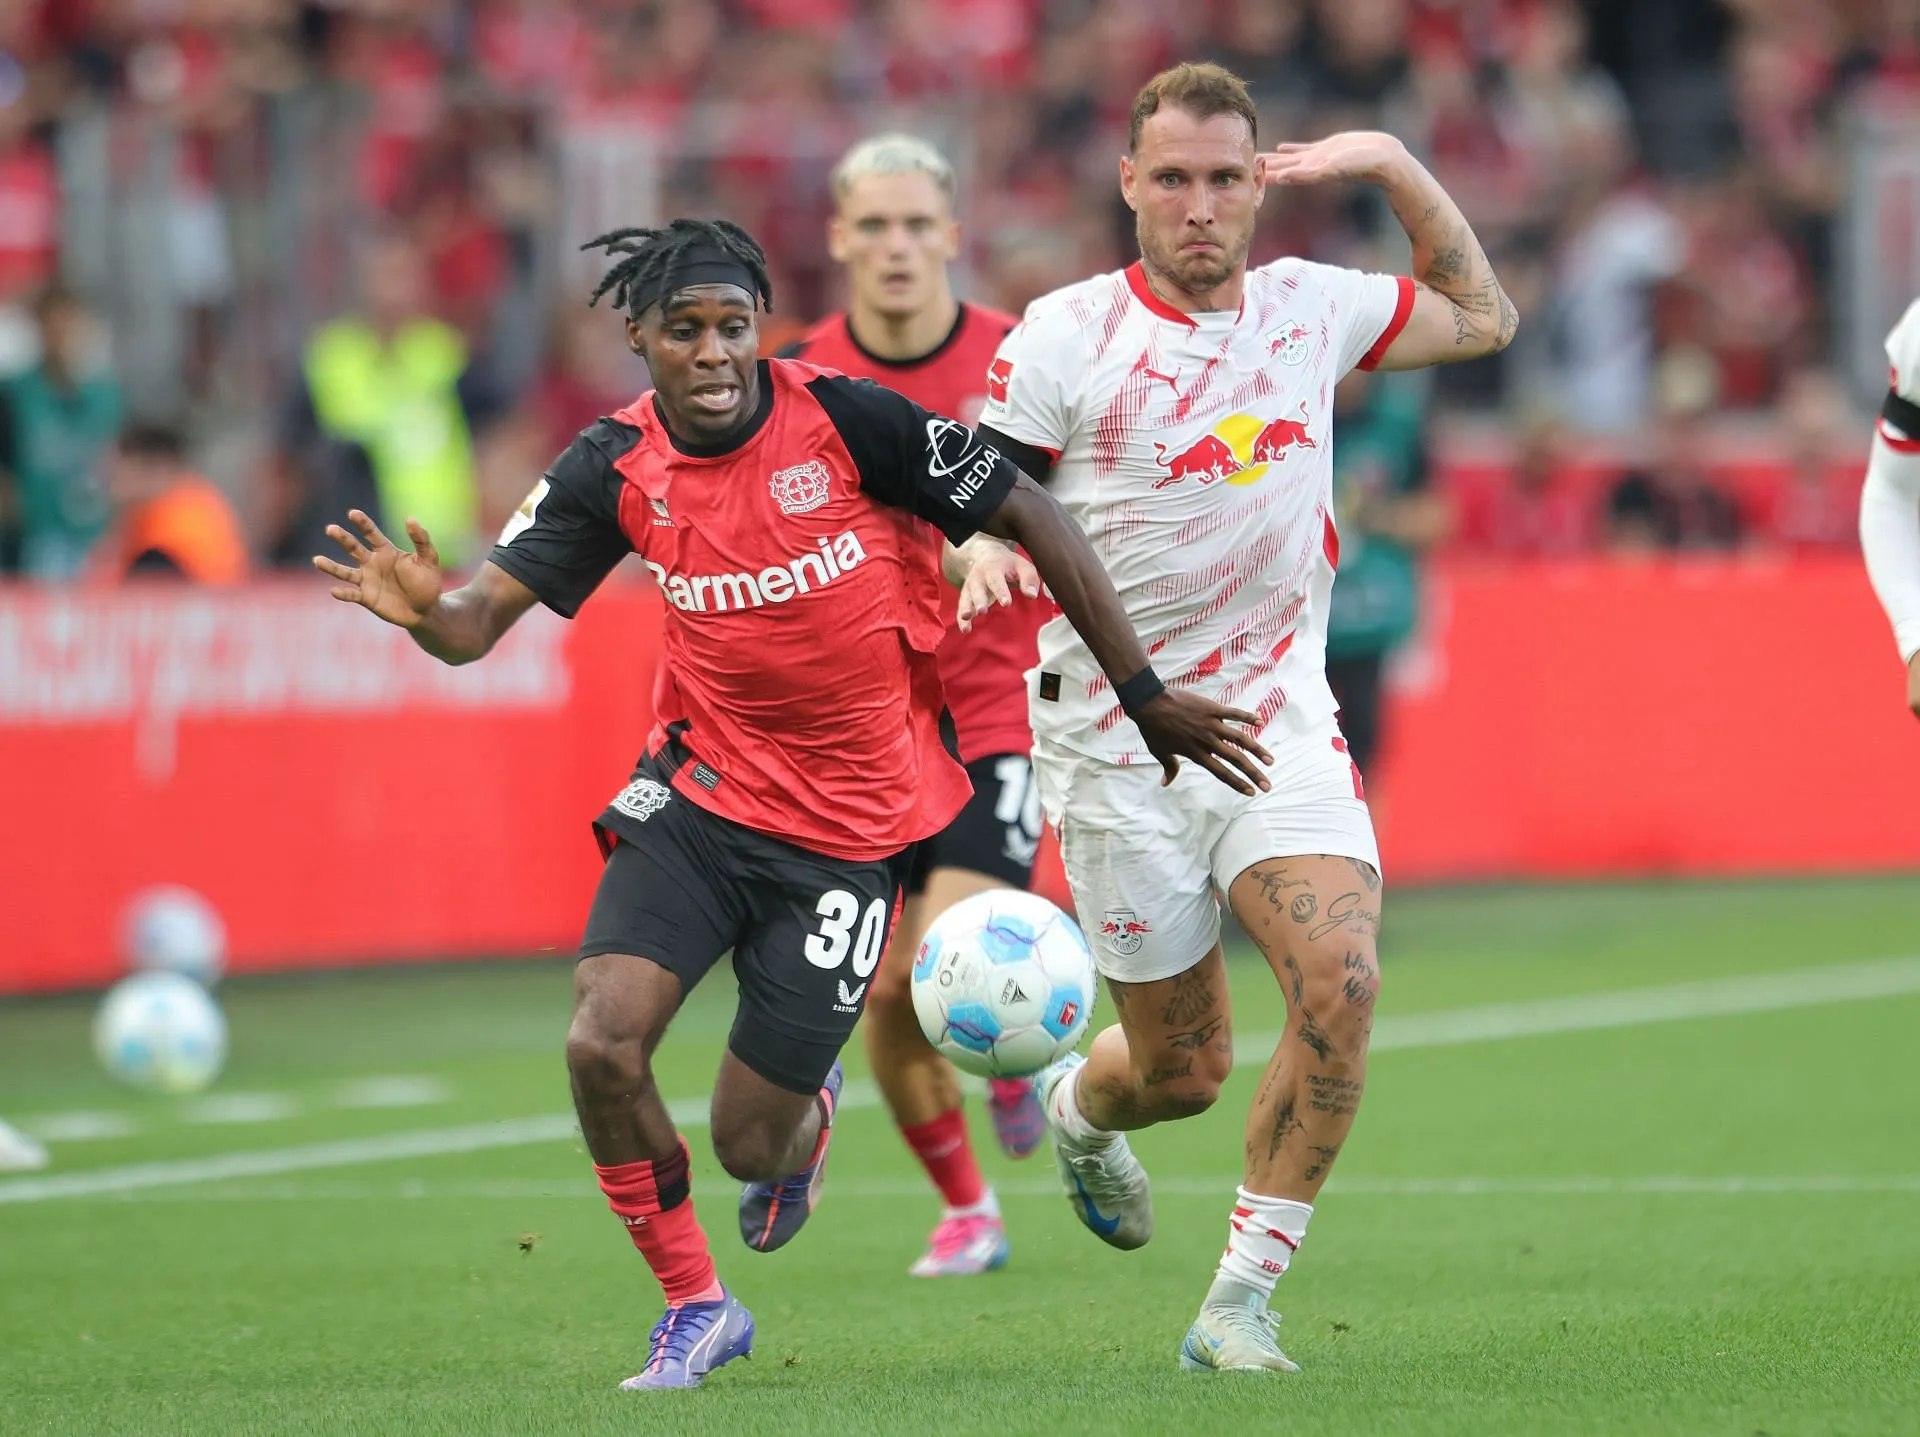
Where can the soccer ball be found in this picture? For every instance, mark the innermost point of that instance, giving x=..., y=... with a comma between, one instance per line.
x=1003, y=983
x=171, y=929
x=162, y=1031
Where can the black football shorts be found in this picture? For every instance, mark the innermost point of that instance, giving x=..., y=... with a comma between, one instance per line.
x=683, y=886
x=997, y=833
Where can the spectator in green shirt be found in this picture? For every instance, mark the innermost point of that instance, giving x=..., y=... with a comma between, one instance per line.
x=57, y=422
x=1387, y=517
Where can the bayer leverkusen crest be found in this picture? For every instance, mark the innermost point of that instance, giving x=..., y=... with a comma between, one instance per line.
x=801, y=489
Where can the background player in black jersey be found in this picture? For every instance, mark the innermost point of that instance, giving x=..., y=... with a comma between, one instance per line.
x=798, y=759
x=894, y=230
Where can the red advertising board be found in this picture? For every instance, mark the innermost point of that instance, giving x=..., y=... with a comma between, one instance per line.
x=338, y=795
x=341, y=798
x=1671, y=716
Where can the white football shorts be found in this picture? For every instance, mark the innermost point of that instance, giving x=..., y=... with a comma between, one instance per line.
x=1146, y=862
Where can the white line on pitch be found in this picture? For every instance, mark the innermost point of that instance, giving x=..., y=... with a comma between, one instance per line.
x=394, y=1090
x=237, y=1108
x=537, y=1189
x=1763, y=993
x=1190, y=1186
x=1588, y=1012
x=81, y=1126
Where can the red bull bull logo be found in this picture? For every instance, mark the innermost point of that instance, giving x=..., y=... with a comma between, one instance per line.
x=1238, y=451
x=1209, y=460
x=1271, y=444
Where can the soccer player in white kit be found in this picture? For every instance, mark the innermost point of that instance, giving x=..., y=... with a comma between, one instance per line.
x=1182, y=411
x=1890, y=498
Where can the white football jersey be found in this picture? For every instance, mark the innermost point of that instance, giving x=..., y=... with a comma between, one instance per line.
x=1196, y=453
x=1903, y=355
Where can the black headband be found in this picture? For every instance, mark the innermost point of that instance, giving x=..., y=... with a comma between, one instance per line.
x=703, y=264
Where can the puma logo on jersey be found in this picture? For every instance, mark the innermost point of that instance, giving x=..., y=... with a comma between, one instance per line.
x=775, y=584
x=1172, y=381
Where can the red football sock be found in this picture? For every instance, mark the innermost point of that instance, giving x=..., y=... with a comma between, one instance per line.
x=947, y=1155
x=825, y=1101
x=653, y=1198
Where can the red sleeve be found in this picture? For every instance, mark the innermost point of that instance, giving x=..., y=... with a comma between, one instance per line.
x=1402, y=309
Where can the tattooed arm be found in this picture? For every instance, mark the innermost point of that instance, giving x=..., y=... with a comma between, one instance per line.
x=1459, y=309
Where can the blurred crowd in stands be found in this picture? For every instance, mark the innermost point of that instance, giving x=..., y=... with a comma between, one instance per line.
x=322, y=250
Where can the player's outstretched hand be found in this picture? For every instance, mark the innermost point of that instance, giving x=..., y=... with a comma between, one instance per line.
x=1913, y=685
x=1178, y=723
x=1347, y=156
x=401, y=588
x=994, y=571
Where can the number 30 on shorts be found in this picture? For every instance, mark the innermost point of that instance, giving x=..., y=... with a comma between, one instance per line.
x=828, y=948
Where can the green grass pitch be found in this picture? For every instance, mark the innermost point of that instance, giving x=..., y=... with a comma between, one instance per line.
x=1696, y=1213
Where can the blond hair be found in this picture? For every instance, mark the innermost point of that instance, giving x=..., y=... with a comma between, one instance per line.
x=893, y=154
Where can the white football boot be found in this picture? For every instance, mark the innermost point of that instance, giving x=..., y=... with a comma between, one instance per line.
x=1234, y=1338
x=1106, y=1185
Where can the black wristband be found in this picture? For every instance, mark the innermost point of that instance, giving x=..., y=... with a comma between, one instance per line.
x=1903, y=414
x=1140, y=690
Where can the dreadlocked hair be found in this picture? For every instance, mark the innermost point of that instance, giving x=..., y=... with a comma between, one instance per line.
x=644, y=257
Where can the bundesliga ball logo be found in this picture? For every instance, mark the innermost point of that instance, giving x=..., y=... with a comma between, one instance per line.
x=801, y=489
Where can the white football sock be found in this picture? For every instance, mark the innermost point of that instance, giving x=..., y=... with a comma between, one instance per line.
x=1066, y=1111
x=988, y=1206
x=1262, y=1237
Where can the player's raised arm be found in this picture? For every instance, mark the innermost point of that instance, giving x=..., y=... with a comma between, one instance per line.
x=1890, y=500
x=1459, y=309
x=408, y=589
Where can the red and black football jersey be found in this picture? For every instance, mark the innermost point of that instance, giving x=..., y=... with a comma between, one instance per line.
x=984, y=672
x=802, y=573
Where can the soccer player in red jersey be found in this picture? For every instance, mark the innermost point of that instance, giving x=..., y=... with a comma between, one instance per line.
x=894, y=230
x=794, y=519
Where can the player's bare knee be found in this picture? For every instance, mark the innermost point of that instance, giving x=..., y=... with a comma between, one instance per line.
x=1183, y=1099
x=602, y=1057
x=603, y=1060
x=890, y=998
x=1334, y=988
x=1186, y=1082
x=749, y=1152
x=612, y=1036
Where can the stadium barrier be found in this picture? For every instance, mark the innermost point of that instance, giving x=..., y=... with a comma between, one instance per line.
x=1668, y=716
x=343, y=799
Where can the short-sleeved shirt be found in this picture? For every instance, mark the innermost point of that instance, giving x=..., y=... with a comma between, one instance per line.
x=983, y=671
x=803, y=587
x=1195, y=451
